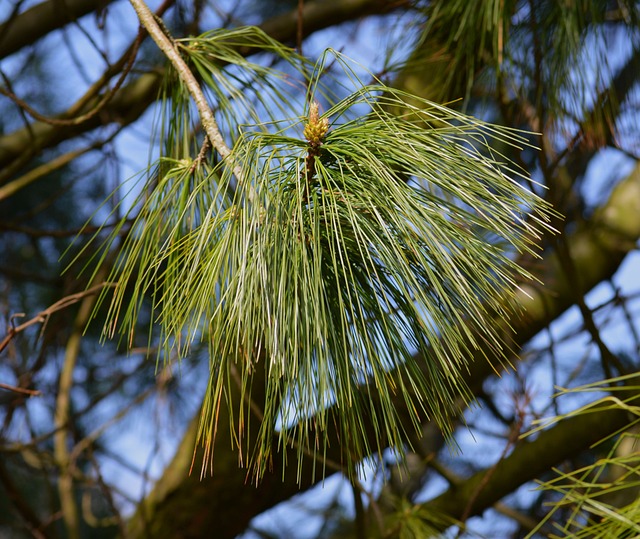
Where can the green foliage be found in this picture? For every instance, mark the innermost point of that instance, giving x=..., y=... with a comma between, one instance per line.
x=376, y=250
x=601, y=499
x=493, y=42
x=472, y=33
x=411, y=521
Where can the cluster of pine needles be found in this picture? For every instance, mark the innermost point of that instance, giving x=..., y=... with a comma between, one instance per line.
x=344, y=281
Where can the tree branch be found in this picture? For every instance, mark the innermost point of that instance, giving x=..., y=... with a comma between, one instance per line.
x=528, y=461
x=63, y=459
x=43, y=316
x=167, y=46
x=28, y=27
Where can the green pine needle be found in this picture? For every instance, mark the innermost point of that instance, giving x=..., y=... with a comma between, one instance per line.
x=348, y=278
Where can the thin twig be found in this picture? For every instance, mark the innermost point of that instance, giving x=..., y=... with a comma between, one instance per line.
x=43, y=316
x=48, y=167
x=511, y=442
x=300, y=26
x=73, y=117
x=24, y=391
x=130, y=56
x=166, y=45
x=204, y=149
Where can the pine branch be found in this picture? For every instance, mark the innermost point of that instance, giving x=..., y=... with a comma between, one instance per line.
x=528, y=461
x=167, y=46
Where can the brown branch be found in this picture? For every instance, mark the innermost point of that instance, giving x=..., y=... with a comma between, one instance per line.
x=22, y=390
x=73, y=116
x=168, y=47
x=129, y=57
x=63, y=458
x=300, y=26
x=514, y=434
x=43, y=316
x=528, y=461
x=49, y=167
x=26, y=28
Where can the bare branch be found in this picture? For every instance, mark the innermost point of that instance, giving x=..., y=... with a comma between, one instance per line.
x=22, y=390
x=43, y=316
x=27, y=27
x=133, y=99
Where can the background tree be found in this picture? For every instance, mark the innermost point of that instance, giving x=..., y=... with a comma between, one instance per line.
x=98, y=438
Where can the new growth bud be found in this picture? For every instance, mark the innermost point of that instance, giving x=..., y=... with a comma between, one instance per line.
x=316, y=128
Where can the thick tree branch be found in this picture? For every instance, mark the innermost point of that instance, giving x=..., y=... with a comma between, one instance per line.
x=529, y=461
x=323, y=14
x=28, y=27
x=125, y=107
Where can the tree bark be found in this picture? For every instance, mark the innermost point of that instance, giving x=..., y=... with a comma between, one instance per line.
x=528, y=461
